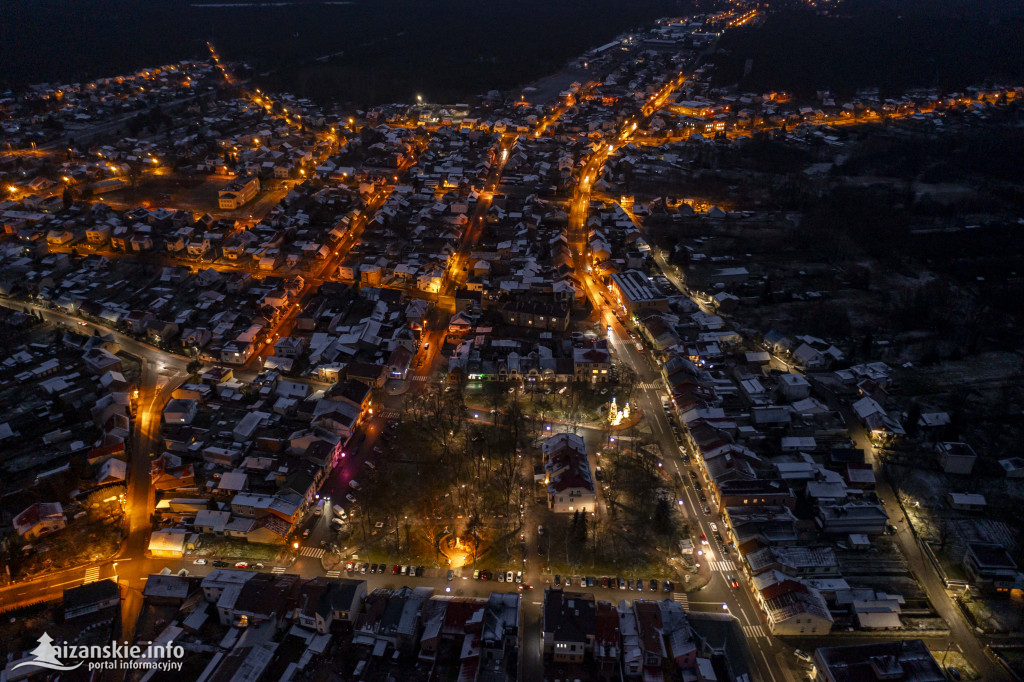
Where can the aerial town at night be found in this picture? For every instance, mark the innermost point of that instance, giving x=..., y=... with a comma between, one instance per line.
x=639, y=371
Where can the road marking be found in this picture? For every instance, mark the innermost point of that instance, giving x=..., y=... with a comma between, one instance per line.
x=723, y=566
x=537, y=603
x=314, y=552
x=682, y=598
x=650, y=385
x=92, y=575
x=278, y=570
x=754, y=631
x=333, y=574
x=420, y=378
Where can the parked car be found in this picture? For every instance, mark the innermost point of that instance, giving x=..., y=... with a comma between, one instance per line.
x=258, y=566
x=639, y=585
x=621, y=583
x=419, y=571
x=953, y=672
x=364, y=568
x=590, y=581
x=803, y=655
x=509, y=577
x=350, y=566
x=394, y=569
x=501, y=576
x=519, y=577
x=485, y=575
x=476, y=574
x=220, y=564
x=242, y=564
x=668, y=586
x=354, y=484
x=199, y=562
x=707, y=509
x=451, y=575
x=653, y=585
x=604, y=582
x=350, y=497
x=558, y=580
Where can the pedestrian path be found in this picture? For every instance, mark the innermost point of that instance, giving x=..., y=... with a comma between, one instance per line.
x=278, y=570
x=92, y=574
x=314, y=552
x=753, y=631
x=683, y=600
x=723, y=566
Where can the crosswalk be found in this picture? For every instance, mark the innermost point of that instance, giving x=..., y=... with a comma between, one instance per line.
x=278, y=570
x=333, y=574
x=681, y=597
x=417, y=377
x=752, y=631
x=92, y=574
x=724, y=566
x=650, y=385
x=387, y=415
x=313, y=552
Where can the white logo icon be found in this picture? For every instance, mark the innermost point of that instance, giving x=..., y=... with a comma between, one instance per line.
x=46, y=656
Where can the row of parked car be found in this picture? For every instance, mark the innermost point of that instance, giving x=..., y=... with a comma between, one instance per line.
x=503, y=576
x=612, y=583
x=381, y=569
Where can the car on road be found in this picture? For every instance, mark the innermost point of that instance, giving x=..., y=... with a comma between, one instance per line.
x=220, y=564
x=305, y=533
x=703, y=539
x=558, y=580
x=242, y=564
x=653, y=585
x=199, y=562
x=733, y=583
x=526, y=586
